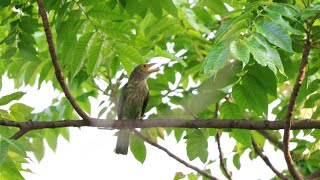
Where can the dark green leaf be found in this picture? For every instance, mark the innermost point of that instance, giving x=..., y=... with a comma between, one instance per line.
x=155, y=7
x=217, y=6
x=94, y=57
x=314, y=86
x=10, y=51
x=5, y=3
x=236, y=161
x=312, y=101
x=138, y=148
x=38, y=148
x=169, y=6
x=197, y=146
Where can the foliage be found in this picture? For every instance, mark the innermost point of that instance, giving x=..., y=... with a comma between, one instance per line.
x=247, y=51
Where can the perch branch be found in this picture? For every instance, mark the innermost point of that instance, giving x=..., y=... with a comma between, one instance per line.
x=165, y=123
x=174, y=156
x=58, y=71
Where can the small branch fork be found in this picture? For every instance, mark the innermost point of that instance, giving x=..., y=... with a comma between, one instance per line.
x=288, y=122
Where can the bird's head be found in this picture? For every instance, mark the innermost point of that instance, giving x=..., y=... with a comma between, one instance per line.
x=142, y=71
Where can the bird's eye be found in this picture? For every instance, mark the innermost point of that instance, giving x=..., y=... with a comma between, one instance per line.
x=144, y=66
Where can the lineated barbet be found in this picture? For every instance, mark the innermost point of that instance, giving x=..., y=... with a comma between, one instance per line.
x=133, y=102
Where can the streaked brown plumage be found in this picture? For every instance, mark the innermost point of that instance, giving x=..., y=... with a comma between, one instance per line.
x=133, y=102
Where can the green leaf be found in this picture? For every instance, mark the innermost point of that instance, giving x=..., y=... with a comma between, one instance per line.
x=51, y=137
x=197, y=146
x=155, y=7
x=5, y=3
x=169, y=6
x=242, y=136
x=28, y=24
x=312, y=101
x=271, y=55
x=230, y=110
x=9, y=169
x=10, y=51
x=129, y=52
x=277, y=18
x=38, y=148
x=138, y=148
x=79, y=53
x=20, y=111
x=216, y=58
x=314, y=86
x=4, y=148
x=310, y=11
x=240, y=51
x=229, y=30
x=94, y=57
x=251, y=94
x=236, y=161
x=103, y=11
x=217, y=6
x=285, y=10
x=275, y=34
x=27, y=51
x=11, y=97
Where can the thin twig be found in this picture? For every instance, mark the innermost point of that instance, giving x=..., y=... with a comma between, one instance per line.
x=173, y=156
x=218, y=135
x=271, y=138
x=222, y=164
x=292, y=101
x=58, y=71
x=266, y=160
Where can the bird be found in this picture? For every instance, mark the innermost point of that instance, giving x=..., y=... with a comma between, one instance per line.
x=133, y=102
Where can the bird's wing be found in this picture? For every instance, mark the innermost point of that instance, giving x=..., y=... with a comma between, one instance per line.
x=144, y=106
x=121, y=101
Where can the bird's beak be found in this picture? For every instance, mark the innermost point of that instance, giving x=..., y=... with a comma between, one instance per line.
x=151, y=70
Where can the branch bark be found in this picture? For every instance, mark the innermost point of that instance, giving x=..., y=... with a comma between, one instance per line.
x=58, y=71
x=203, y=173
x=266, y=160
x=173, y=123
x=288, y=122
x=222, y=164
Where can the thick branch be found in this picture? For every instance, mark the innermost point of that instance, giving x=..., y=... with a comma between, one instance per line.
x=58, y=71
x=174, y=156
x=266, y=160
x=173, y=123
x=222, y=164
x=292, y=101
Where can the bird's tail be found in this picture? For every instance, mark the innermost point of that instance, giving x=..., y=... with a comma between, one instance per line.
x=123, y=142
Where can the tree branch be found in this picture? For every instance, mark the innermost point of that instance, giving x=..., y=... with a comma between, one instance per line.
x=272, y=139
x=173, y=123
x=292, y=101
x=174, y=156
x=314, y=175
x=222, y=164
x=266, y=160
x=58, y=71
x=19, y=134
x=218, y=135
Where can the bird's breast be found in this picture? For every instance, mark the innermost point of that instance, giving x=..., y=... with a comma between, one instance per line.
x=135, y=96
